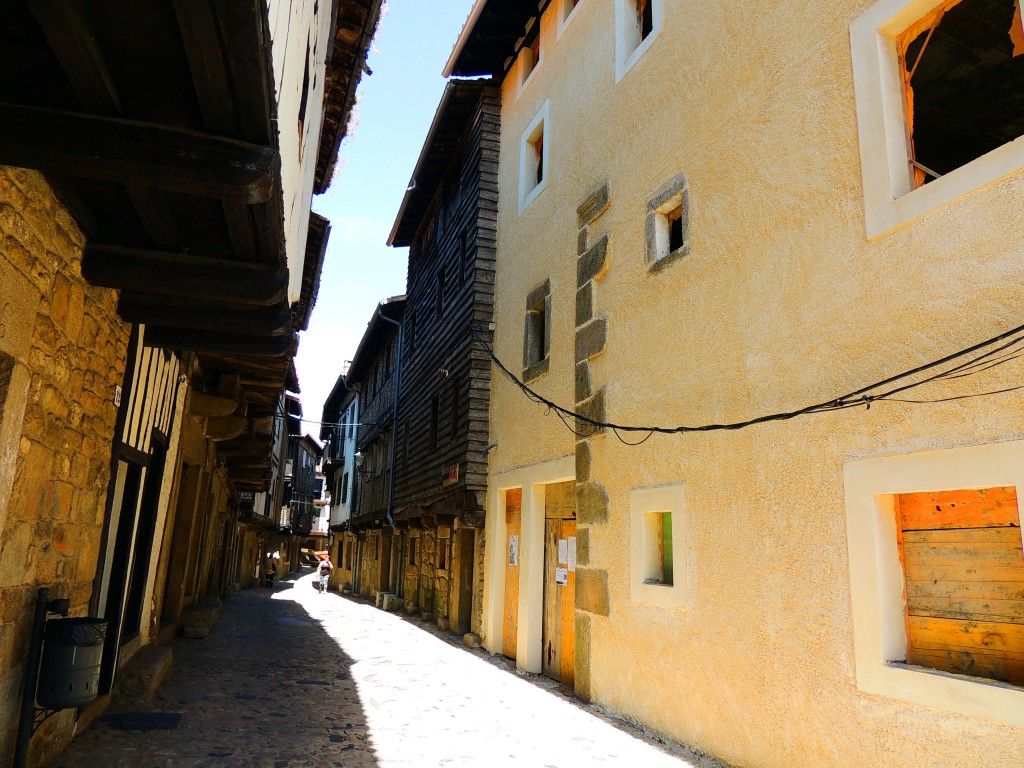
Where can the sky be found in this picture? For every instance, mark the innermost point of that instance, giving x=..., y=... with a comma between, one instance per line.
x=393, y=113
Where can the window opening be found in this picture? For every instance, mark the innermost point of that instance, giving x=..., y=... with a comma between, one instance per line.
x=963, y=81
x=456, y=406
x=412, y=551
x=658, y=548
x=439, y=296
x=963, y=566
x=434, y=412
x=644, y=20
x=344, y=488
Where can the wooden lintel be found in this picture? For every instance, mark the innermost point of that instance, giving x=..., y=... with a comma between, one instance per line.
x=135, y=152
x=236, y=344
x=73, y=43
x=186, y=276
x=183, y=313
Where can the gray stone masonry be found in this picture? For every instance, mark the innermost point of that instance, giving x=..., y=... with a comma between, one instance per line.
x=591, y=208
x=582, y=546
x=582, y=461
x=583, y=381
x=591, y=505
x=591, y=338
x=592, y=264
x=584, y=304
x=593, y=408
x=592, y=591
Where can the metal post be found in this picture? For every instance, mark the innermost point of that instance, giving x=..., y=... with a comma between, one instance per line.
x=28, y=689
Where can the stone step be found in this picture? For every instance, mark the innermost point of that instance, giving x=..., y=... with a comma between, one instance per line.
x=145, y=672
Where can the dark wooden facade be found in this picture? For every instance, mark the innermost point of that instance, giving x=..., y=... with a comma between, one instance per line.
x=449, y=220
x=372, y=371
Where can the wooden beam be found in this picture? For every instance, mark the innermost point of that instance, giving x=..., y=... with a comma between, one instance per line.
x=155, y=216
x=204, y=342
x=245, y=36
x=216, y=281
x=200, y=316
x=236, y=447
x=205, y=60
x=74, y=44
x=134, y=152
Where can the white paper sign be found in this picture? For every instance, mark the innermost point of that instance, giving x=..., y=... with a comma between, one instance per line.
x=513, y=549
x=563, y=551
x=572, y=554
x=561, y=577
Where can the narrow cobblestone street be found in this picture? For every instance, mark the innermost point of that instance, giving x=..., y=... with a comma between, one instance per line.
x=293, y=679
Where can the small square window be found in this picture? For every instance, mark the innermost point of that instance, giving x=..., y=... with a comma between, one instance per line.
x=533, y=159
x=668, y=223
x=566, y=13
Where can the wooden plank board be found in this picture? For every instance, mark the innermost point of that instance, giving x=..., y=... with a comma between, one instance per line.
x=998, y=555
x=966, y=590
x=983, y=649
x=560, y=500
x=551, y=633
x=974, y=508
x=513, y=518
x=568, y=675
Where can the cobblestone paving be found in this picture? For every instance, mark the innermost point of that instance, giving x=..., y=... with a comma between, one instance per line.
x=290, y=678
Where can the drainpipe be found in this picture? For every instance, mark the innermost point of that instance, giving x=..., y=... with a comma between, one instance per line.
x=394, y=436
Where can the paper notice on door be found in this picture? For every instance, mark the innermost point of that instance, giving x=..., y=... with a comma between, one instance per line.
x=513, y=549
x=563, y=551
x=561, y=577
x=572, y=554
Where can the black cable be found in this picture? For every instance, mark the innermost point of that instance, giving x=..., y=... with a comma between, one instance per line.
x=856, y=398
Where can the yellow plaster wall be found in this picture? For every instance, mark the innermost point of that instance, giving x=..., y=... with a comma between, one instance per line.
x=782, y=303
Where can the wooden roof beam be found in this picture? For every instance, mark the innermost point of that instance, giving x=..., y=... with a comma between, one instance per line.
x=139, y=307
x=134, y=152
x=213, y=281
x=74, y=44
x=204, y=342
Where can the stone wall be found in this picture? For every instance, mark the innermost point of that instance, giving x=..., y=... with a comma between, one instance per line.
x=62, y=353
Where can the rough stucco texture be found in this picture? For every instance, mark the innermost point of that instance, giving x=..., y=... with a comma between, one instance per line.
x=781, y=303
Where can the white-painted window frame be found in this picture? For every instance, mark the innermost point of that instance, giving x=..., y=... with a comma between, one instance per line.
x=627, y=53
x=538, y=127
x=643, y=503
x=890, y=199
x=877, y=580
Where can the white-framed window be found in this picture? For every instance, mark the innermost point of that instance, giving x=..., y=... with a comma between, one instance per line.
x=566, y=13
x=533, y=158
x=530, y=56
x=657, y=545
x=637, y=24
x=883, y=588
x=938, y=107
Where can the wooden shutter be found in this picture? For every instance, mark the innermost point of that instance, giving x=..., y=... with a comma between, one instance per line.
x=964, y=567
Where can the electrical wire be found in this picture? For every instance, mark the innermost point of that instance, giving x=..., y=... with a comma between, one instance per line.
x=982, y=357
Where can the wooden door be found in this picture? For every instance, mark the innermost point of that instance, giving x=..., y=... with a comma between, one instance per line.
x=513, y=524
x=558, y=638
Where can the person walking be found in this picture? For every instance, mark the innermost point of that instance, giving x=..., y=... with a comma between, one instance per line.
x=270, y=572
x=324, y=572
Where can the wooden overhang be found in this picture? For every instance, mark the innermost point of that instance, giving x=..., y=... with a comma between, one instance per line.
x=440, y=148
x=155, y=123
x=491, y=37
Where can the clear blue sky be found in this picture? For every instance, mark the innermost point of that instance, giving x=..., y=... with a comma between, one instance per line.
x=395, y=107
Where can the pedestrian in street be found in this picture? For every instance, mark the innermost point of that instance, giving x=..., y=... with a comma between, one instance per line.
x=270, y=572
x=324, y=573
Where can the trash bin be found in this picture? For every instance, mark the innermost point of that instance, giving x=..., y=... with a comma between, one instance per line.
x=69, y=673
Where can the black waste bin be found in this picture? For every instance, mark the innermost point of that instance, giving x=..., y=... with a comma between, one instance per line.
x=69, y=673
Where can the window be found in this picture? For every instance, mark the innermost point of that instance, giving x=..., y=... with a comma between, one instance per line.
x=566, y=13
x=434, y=415
x=533, y=159
x=344, y=488
x=456, y=406
x=412, y=551
x=410, y=333
x=657, y=549
x=939, y=87
x=637, y=23
x=667, y=230
x=439, y=292
x=926, y=533
x=442, y=554
x=537, y=332
x=465, y=255
x=529, y=57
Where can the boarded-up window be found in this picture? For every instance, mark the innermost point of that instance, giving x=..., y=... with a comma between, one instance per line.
x=964, y=566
